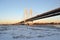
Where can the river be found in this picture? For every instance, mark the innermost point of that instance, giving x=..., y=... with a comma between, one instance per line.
x=25, y=32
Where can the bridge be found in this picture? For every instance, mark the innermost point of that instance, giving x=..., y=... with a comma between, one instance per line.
x=51, y=13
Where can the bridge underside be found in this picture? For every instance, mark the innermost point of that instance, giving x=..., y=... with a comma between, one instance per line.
x=51, y=13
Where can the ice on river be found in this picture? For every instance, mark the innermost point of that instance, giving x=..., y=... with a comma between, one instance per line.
x=24, y=32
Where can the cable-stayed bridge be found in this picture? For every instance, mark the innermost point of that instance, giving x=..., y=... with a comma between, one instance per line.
x=51, y=13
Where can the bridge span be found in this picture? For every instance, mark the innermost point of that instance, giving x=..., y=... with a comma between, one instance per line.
x=51, y=13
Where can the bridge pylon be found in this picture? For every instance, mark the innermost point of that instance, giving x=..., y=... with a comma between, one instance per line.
x=27, y=15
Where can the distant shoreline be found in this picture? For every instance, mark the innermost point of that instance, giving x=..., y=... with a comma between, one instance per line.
x=52, y=23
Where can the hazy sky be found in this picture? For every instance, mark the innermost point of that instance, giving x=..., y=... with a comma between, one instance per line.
x=12, y=11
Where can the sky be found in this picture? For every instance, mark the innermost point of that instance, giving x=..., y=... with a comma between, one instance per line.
x=12, y=11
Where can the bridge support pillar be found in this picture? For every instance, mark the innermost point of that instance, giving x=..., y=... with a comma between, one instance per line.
x=30, y=23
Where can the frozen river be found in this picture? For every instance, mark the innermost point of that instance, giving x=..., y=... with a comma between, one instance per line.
x=24, y=32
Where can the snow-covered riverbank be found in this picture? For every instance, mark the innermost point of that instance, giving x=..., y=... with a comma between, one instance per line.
x=24, y=32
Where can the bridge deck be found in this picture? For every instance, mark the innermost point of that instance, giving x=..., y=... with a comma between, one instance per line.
x=51, y=13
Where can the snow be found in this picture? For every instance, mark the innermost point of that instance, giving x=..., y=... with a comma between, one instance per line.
x=57, y=25
x=24, y=32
